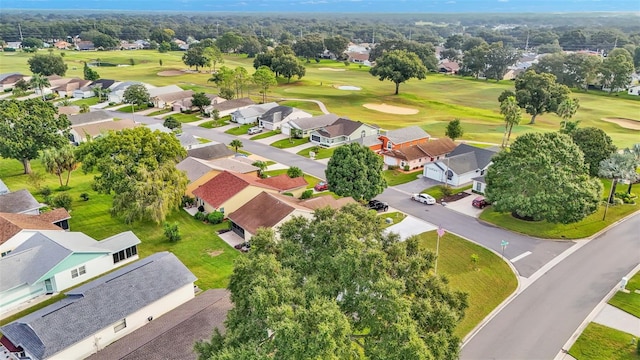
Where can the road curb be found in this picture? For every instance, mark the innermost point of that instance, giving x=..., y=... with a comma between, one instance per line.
x=610, y=226
x=565, y=348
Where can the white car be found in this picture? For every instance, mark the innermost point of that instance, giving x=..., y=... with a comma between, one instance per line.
x=424, y=198
x=254, y=130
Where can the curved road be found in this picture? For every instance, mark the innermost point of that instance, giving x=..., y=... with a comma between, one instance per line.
x=320, y=104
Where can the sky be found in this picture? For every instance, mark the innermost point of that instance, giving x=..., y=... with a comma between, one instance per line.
x=354, y=6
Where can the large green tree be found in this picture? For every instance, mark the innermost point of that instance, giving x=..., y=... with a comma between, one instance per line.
x=28, y=127
x=337, y=287
x=229, y=42
x=616, y=72
x=498, y=60
x=214, y=55
x=200, y=100
x=355, y=170
x=425, y=52
x=617, y=167
x=474, y=61
x=543, y=177
x=195, y=57
x=454, y=129
x=59, y=161
x=596, y=146
x=264, y=78
x=310, y=46
x=336, y=45
x=89, y=73
x=398, y=66
x=136, y=94
x=139, y=167
x=539, y=93
x=567, y=109
x=47, y=65
x=288, y=66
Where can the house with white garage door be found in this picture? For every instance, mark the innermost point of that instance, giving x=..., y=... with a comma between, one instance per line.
x=463, y=164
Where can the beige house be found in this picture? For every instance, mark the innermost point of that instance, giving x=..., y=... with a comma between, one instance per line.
x=81, y=133
x=200, y=171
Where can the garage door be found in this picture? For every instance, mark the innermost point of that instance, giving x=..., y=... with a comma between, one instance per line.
x=237, y=229
x=286, y=129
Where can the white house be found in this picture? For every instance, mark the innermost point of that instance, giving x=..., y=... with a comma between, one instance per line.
x=50, y=261
x=302, y=127
x=634, y=90
x=250, y=115
x=15, y=229
x=98, y=313
x=479, y=184
x=275, y=117
x=460, y=166
x=342, y=131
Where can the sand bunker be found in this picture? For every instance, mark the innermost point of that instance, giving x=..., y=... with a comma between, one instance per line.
x=625, y=123
x=349, y=87
x=330, y=69
x=390, y=109
x=170, y=73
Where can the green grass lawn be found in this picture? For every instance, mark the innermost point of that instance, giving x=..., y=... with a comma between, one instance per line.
x=88, y=101
x=321, y=152
x=159, y=112
x=129, y=109
x=265, y=135
x=436, y=191
x=186, y=118
x=289, y=143
x=488, y=286
x=629, y=302
x=598, y=342
x=396, y=216
x=214, y=124
x=397, y=177
x=239, y=130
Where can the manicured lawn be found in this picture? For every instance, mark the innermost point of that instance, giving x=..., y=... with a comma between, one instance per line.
x=265, y=135
x=436, y=191
x=397, y=177
x=213, y=124
x=136, y=108
x=289, y=143
x=186, y=118
x=202, y=140
x=159, y=112
x=487, y=286
x=629, y=302
x=310, y=107
x=240, y=130
x=88, y=101
x=599, y=342
x=396, y=216
x=311, y=180
x=321, y=153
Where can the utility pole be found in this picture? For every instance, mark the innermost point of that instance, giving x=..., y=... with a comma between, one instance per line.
x=20, y=30
x=526, y=45
x=615, y=43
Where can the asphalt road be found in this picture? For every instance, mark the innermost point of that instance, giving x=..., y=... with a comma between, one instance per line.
x=537, y=323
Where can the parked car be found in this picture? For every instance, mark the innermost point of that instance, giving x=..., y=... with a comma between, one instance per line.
x=480, y=202
x=254, y=130
x=244, y=247
x=424, y=198
x=321, y=186
x=378, y=205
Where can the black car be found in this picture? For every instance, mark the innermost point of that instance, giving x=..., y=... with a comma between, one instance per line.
x=378, y=205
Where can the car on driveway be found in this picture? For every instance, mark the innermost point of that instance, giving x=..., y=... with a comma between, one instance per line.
x=254, y=130
x=378, y=205
x=480, y=202
x=424, y=198
x=321, y=186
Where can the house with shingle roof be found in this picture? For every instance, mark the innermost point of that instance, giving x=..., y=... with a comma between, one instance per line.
x=16, y=228
x=418, y=155
x=275, y=117
x=210, y=151
x=250, y=114
x=104, y=310
x=167, y=99
x=19, y=202
x=404, y=137
x=227, y=107
x=8, y=80
x=50, y=261
x=81, y=133
x=461, y=165
x=341, y=132
x=285, y=184
x=200, y=171
x=90, y=117
x=302, y=127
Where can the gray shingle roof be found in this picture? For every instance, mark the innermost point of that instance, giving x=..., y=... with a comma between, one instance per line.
x=120, y=241
x=210, y=151
x=270, y=115
x=406, y=134
x=254, y=110
x=90, y=117
x=482, y=156
x=463, y=163
x=232, y=104
x=315, y=122
x=98, y=305
x=193, y=167
x=341, y=127
x=187, y=140
x=18, y=202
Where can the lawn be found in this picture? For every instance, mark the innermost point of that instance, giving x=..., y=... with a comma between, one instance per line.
x=239, y=130
x=397, y=177
x=321, y=152
x=216, y=123
x=436, y=191
x=159, y=112
x=88, y=101
x=599, y=342
x=131, y=109
x=629, y=302
x=265, y=135
x=289, y=143
x=396, y=216
x=186, y=118
x=488, y=286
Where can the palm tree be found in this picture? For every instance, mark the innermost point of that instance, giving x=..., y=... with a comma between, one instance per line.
x=567, y=109
x=100, y=92
x=39, y=82
x=261, y=165
x=618, y=167
x=512, y=115
x=635, y=152
x=236, y=144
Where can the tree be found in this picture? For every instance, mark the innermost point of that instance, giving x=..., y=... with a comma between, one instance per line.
x=200, y=100
x=47, y=65
x=618, y=166
x=543, y=177
x=241, y=79
x=171, y=123
x=136, y=94
x=425, y=52
x=251, y=46
x=288, y=66
x=32, y=43
x=511, y=111
x=195, y=57
x=580, y=70
x=596, y=146
x=261, y=165
x=332, y=283
x=567, y=109
x=105, y=41
x=454, y=129
x=214, y=55
x=310, y=46
x=634, y=152
x=398, y=66
x=28, y=127
x=616, y=72
x=139, y=167
x=354, y=170
x=499, y=58
x=336, y=45
x=539, y=93
x=229, y=42
x=39, y=82
x=573, y=40
x=636, y=58
x=57, y=161
x=475, y=60
x=101, y=93
x=171, y=232
x=454, y=42
x=451, y=55
x=294, y=172
x=235, y=144
x=89, y=73
x=264, y=78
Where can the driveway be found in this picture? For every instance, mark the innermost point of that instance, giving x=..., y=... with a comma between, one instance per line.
x=410, y=226
x=464, y=206
x=416, y=186
x=231, y=238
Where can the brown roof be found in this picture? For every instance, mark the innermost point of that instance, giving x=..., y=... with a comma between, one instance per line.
x=265, y=210
x=96, y=129
x=225, y=185
x=432, y=148
x=358, y=56
x=233, y=104
x=340, y=127
x=175, y=96
x=326, y=200
x=55, y=215
x=12, y=79
x=439, y=146
x=450, y=66
x=72, y=85
x=69, y=110
x=11, y=224
x=283, y=182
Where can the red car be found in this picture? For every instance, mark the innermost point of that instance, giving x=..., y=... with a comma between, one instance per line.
x=480, y=202
x=321, y=186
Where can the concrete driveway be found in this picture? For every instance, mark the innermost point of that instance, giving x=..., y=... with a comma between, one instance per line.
x=464, y=206
x=410, y=226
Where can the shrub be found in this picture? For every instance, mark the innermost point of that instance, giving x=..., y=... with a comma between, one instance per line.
x=171, y=231
x=626, y=198
x=617, y=201
x=287, y=194
x=187, y=201
x=215, y=217
x=393, y=167
x=406, y=168
x=446, y=190
x=45, y=191
x=84, y=196
x=62, y=200
x=200, y=216
x=306, y=194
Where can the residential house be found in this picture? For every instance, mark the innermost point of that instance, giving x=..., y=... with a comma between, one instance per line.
x=88, y=91
x=358, y=57
x=295, y=186
x=634, y=90
x=302, y=127
x=227, y=107
x=16, y=45
x=50, y=261
x=463, y=164
x=98, y=313
x=228, y=191
x=402, y=138
x=16, y=228
x=62, y=45
x=341, y=132
x=85, y=45
x=118, y=89
x=250, y=114
x=125, y=45
x=186, y=104
x=275, y=117
x=324, y=201
x=90, y=117
x=479, y=184
x=448, y=67
x=8, y=80
x=82, y=133
x=418, y=155
x=187, y=141
x=200, y=171
x=167, y=100
x=19, y=202
x=210, y=151
x=156, y=91
x=67, y=88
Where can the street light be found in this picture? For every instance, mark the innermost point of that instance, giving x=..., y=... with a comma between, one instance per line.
x=504, y=244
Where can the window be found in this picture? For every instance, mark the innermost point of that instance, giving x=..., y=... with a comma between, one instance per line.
x=389, y=145
x=6, y=253
x=125, y=254
x=74, y=273
x=315, y=138
x=120, y=325
x=79, y=271
x=478, y=186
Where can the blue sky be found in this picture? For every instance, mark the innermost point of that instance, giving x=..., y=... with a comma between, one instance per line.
x=378, y=6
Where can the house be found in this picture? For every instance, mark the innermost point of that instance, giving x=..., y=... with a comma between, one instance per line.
x=463, y=164
x=168, y=99
x=187, y=103
x=295, y=186
x=118, y=89
x=479, y=184
x=200, y=171
x=418, y=155
x=16, y=228
x=227, y=107
x=187, y=140
x=228, y=191
x=275, y=117
x=157, y=91
x=358, y=57
x=324, y=201
x=210, y=151
x=251, y=216
x=250, y=114
x=90, y=117
x=98, y=313
x=302, y=127
x=85, y=45
x=81, y=133
x=342, y=131
x=125, y=45
x=3, y=188
x=66, y=89
x=19, y=202
x=61, y=45
x=634, y=90
x=8, y=80
x=448, y=67
x=50, y=261
x=402, y=138
x=16, y=45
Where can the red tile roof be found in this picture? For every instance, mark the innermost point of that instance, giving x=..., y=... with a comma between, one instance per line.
x=225, y=185
x=283, y=182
